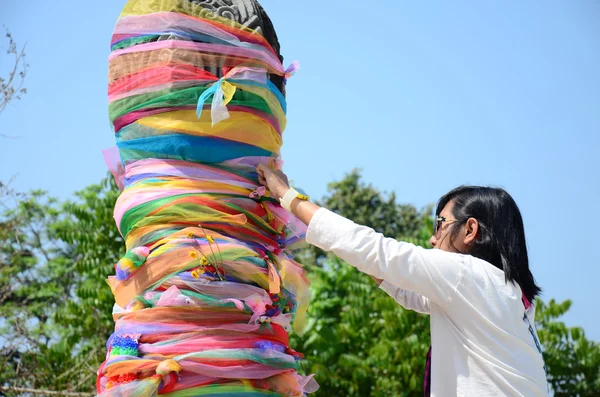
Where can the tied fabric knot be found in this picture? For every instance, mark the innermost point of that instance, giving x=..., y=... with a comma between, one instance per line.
x=258, y=193
x=168, y=366
x=290, y=71
x=222, y=91
x=131, y=261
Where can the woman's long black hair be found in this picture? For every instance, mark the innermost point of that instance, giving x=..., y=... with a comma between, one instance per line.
x=501, y=236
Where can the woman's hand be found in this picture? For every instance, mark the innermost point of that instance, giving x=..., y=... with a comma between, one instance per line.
x=277, y=182
x=274, y=180
x=377, y=280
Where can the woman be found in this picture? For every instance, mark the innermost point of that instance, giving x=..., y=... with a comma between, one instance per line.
x=475, y=284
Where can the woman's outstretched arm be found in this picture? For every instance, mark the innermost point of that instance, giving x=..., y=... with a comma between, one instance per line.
x=434, y=274
x=277, y=182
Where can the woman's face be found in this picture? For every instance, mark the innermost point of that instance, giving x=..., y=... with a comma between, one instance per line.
x=441, y=239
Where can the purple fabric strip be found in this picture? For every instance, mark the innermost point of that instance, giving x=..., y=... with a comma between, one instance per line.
x=427, y=381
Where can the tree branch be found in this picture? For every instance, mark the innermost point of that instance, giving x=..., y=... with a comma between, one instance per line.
x=11, y=89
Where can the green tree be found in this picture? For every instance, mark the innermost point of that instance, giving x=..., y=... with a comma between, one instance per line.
x=94, y=242
x=55, y=311
x=359, y=342
x=365, y=205
x=55, y=307
x=572, y=361
x=34, y=281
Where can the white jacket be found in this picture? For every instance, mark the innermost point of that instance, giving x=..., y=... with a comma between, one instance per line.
x=482, y=341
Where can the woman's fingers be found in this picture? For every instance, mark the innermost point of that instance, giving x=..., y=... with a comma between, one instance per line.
x=262, y=170
x=261, y=174
x=274, y=180
x=262, y=178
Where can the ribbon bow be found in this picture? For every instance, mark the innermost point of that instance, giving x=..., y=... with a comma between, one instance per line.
x=291, y=70
x=168, y=366
x=222, y=91
x=258, y=193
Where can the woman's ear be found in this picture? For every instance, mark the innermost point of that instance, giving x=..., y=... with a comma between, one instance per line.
x=471, y=230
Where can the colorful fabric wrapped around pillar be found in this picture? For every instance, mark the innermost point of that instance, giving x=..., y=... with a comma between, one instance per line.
x=208, y=289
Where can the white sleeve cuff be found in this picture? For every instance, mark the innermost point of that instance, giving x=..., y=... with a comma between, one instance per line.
x=321, y=229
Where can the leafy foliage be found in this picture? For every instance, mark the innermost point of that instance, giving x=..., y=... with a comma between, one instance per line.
x=55, y=312
x=572, y=361
x=55, y=307
x=359, y=342
x=95, y=244
x=35, y=281
x=365, y=205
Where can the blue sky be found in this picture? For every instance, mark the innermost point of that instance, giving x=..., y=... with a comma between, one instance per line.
x=423, y=96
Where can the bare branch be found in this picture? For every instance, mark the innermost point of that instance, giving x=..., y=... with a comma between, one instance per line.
x=12, y=87
x=86, y=379
x=69, y=371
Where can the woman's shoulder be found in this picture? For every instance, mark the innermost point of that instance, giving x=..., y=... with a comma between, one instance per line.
x=483, y=284
x=481, y=268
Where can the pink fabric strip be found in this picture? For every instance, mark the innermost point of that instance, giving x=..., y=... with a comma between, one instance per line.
x=264, y=56
x=148, y=89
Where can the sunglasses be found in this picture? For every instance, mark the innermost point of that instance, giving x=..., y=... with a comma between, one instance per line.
x=438, y=222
